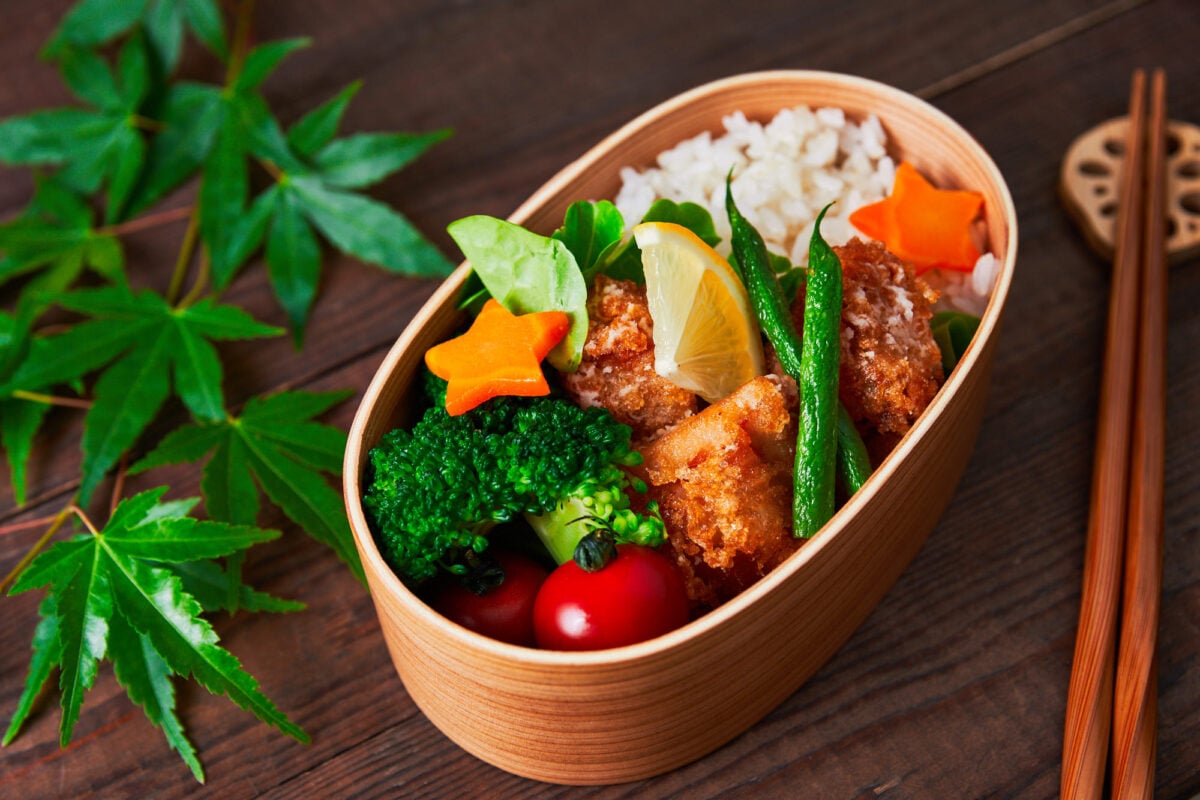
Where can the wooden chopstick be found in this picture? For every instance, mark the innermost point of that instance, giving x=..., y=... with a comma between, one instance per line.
x=1089, y=695
x=1090, y=699
x=1135, y=694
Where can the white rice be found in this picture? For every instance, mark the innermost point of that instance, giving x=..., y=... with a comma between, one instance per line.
x=965, y=291
x=784, y=172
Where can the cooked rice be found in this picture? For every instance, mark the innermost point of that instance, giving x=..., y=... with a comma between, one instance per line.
x=784, y=172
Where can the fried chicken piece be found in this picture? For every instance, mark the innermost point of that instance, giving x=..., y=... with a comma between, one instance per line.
x=617, y=370
x=723, y=482
x=891, y=366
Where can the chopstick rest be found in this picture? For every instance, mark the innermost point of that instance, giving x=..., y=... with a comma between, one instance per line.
x=1088, y=183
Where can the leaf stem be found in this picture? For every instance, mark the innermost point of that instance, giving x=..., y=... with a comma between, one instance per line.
x=83, y=517
x=146, y=124
x=52, y=400
x=146, y=221
x=273, y=170
x=56, y=523
x=186, y=249
x=17, y=527
x=201, y=281
x=118, y=483
x=241, y=40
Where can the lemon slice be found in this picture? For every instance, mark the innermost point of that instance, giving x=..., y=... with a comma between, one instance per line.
x=706, y=337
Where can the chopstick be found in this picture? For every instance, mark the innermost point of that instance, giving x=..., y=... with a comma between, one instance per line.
x=1127, y=491
x=1135, y=695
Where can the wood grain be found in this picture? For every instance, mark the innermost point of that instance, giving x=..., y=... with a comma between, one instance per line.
x=955, y=686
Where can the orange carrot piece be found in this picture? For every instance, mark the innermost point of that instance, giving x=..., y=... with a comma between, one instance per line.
x=926, y=226
x=874, y=220
x=501, y=354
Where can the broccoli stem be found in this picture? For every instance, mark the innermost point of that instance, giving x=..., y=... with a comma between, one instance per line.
x=561, y=528
x=599, y=505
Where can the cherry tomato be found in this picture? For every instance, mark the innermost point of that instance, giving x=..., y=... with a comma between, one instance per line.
x=636, y=596
x=504, y=612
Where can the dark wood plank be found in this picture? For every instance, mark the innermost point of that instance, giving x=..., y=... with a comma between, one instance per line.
x=956, y=685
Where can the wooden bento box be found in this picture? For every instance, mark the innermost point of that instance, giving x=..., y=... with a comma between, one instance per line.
x=629, y=713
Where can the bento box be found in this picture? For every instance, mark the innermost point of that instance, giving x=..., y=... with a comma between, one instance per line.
x=632, y=712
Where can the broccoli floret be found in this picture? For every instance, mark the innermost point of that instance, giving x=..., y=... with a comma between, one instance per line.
x=434, y=491
x=433, y=388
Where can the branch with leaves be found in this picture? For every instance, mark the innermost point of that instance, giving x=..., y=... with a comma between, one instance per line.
x=135, y=590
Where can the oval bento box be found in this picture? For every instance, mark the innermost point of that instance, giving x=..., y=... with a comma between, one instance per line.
x=628, y=713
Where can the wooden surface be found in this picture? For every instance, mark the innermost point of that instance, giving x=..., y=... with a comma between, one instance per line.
x=955, y=687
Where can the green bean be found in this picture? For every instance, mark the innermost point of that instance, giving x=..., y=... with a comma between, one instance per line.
x=753, y=263
x=812, y=361
x=822, y=347
x=853, y=461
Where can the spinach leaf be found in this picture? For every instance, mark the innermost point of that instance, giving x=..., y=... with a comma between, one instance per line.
x=625, y=261
x=527, y=272
x=590, y=230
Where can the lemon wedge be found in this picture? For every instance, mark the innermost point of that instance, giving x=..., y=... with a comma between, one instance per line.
x=706, y=338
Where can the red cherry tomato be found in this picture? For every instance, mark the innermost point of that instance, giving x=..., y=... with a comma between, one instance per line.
x=505, y=612
x=636, y=596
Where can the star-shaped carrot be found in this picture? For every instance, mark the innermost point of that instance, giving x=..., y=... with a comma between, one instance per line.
x=501, y=354
x=926, y=226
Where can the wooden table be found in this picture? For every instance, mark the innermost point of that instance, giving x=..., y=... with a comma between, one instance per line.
x=955, y=687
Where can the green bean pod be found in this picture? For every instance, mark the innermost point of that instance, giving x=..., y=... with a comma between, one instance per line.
x=811, y=361
x=816, y=447
x=853, y=461
x=753, y=263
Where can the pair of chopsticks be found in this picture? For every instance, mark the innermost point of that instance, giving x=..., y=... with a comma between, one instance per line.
x=1113, y=689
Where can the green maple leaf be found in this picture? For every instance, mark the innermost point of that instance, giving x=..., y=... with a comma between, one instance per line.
x=92, y=23
x=112, y=594
x=56, y=237
x=189, y=114
x=219, y=588
x=243, y=129
x=274, y=445
x=47, y=653
x=19, y=424
x=145, y=346
x=19, y=418
x=322, y=188
x=97, y=144
x=315, y=175
x=146, y=678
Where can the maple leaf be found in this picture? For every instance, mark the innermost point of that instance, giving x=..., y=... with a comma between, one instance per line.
x=91, y=23
x=112, y=595
x=275, y=446
x=314, y=174
x=145, y=343
x=219, y=588
x=188, y=114
x=19, y=418
x=244, y=128
x=55, y=237
x=97, y=144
